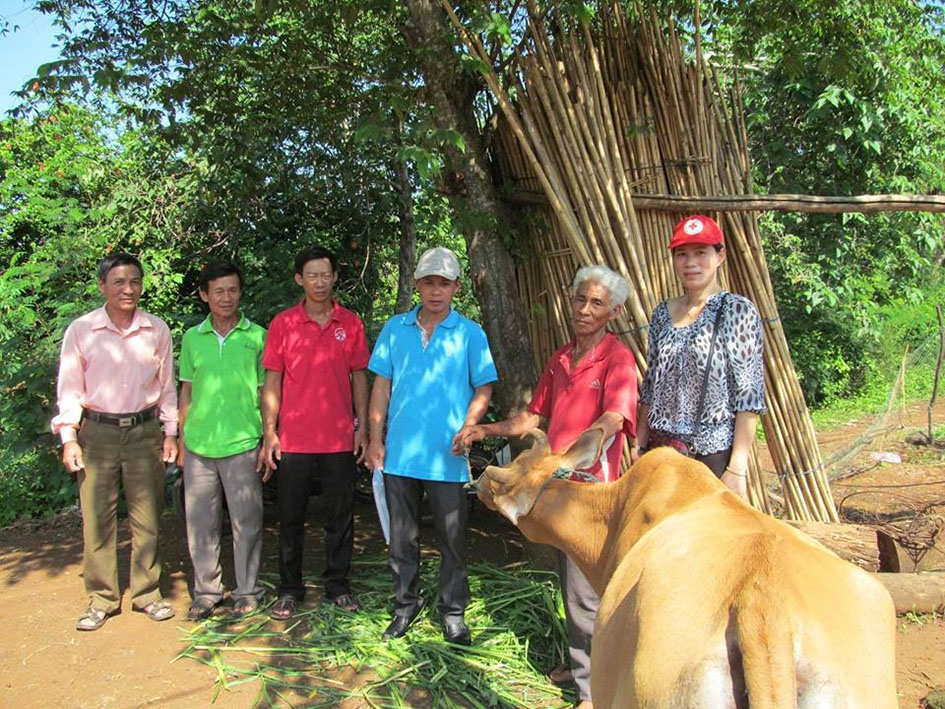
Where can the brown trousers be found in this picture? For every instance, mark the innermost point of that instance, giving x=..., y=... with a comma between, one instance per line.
x=130, y=457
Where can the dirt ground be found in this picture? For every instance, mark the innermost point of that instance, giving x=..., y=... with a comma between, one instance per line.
x=130, y=662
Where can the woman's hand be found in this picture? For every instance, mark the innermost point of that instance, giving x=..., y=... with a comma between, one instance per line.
x=736, y=481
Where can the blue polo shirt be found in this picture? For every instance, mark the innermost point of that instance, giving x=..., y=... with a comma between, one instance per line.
x=430, y=392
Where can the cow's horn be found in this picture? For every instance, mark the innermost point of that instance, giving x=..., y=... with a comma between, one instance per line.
x=500, y=475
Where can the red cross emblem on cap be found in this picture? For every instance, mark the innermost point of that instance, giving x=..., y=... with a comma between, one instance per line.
x=694, y=226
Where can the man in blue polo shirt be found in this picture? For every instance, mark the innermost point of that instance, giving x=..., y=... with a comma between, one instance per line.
x=221, y=375
x=434, y=376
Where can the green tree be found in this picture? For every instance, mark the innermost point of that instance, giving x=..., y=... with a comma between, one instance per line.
x=68, y=194
x=842, y=98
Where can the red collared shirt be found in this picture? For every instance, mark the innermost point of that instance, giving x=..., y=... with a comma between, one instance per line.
x=105, y=369
x=317, y=410
x=604, y=380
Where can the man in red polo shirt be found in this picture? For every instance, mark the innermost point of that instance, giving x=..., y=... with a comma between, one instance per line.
x=314, y=397
x=591, y=381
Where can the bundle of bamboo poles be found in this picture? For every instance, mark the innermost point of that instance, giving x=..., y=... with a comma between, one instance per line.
x=600, y=114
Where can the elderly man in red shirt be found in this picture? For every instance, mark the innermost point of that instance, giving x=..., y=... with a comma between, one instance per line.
x=314, y=397
x=590, y=381
x=116, y=389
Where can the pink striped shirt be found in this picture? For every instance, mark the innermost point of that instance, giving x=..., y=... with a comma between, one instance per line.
x=105, y=369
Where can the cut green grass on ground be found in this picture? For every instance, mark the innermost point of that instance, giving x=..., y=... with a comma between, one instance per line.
x=327, y=657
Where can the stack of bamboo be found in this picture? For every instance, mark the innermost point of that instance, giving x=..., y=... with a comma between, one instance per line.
x=600, y=114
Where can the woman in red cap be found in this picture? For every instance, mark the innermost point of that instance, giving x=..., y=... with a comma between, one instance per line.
x=704, y=384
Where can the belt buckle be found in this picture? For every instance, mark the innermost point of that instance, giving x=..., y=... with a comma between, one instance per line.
x=126, y=422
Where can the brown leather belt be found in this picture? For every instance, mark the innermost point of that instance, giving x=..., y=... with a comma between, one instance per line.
x=120, y=420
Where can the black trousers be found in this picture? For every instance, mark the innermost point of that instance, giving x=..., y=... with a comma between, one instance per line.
x=716, y=462
x=337, y=474
x=448, y=505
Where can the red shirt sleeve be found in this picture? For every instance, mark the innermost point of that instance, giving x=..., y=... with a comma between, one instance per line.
x=360, y=353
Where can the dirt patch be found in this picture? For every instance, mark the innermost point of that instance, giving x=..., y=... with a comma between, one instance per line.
x=131, y=661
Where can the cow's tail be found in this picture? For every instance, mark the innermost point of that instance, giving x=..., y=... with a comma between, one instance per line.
x=764, y=644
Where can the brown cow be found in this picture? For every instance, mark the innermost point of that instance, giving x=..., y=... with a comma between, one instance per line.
x=705, y=602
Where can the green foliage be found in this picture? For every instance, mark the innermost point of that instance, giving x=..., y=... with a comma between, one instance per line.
x=863, y=114
x=68, y=196
x=907, y=342
x=516, y=617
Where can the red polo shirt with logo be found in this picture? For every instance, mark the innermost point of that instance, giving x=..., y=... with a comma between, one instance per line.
x=604, y=380
x=317, y=410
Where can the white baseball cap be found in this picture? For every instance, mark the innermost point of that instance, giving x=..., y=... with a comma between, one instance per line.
x=437, y=262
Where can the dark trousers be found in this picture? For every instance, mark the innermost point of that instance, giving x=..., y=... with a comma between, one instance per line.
x=448, y=505
x=716, y=462
x=337, y=474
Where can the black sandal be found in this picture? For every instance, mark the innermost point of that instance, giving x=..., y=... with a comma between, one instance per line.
x=201, y=609
x=346, y=602
x=243, y=608
x=284, y=608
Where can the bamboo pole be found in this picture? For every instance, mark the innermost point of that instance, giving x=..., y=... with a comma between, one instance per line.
x=600, y=114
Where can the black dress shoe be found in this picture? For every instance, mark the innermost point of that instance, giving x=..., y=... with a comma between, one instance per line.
x=398, y=626
x=457, y=633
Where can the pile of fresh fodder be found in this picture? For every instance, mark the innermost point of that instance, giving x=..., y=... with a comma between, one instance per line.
x=328, y=657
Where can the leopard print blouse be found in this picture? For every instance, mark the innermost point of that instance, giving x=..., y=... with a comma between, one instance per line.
x=676, y=368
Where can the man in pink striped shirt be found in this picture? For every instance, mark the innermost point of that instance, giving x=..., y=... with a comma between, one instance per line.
x=116, y=389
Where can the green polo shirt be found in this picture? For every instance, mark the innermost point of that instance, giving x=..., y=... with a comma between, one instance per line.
x=223, y=418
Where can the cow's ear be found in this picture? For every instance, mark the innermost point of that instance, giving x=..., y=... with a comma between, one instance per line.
x=585, y=451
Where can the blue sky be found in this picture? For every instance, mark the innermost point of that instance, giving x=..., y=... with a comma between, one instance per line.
x=24, y=49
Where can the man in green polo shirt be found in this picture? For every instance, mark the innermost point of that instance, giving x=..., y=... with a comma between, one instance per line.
x=221, y=375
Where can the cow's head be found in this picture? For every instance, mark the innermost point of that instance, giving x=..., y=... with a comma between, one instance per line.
x=513, y=490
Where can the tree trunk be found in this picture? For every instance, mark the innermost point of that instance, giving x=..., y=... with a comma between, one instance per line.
x=919, y=593
x=477, y=208
x=407, y=254
x=867, y=547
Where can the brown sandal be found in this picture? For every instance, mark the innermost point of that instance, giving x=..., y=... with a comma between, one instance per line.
x=92, y=619
x=243, y=608
x=561, y=674
x=284, y=608
x=157, y=611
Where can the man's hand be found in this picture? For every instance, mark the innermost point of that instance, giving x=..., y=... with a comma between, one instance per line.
x=374, y=459
x=72, y=457
x=267, y=472
x=361, y=444
x=467, y=435
x=169, y=449
x=270, y=453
